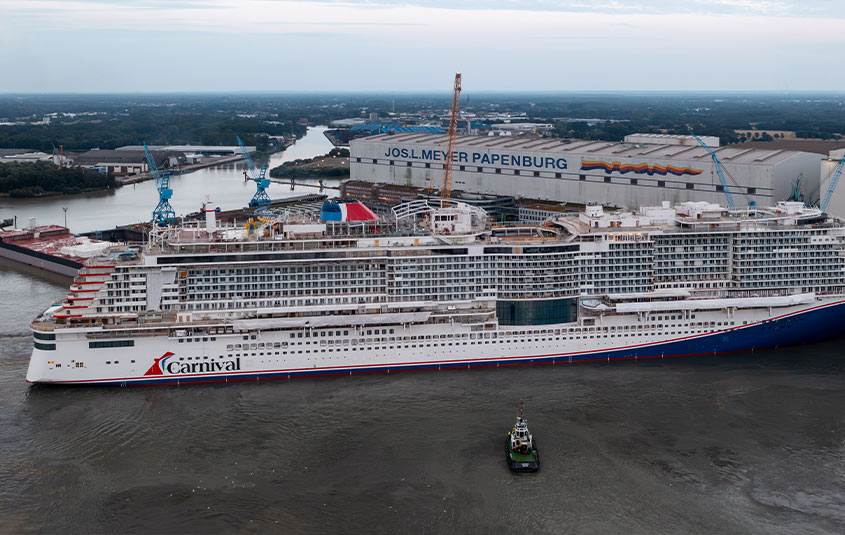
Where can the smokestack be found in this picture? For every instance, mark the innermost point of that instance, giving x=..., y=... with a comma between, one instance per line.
x=210, y=216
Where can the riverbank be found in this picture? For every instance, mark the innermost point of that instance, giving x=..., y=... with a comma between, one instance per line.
x=132, y=203
x=335, y=164
x=185, y=169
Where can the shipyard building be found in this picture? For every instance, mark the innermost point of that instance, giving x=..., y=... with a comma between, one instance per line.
x=626, y=175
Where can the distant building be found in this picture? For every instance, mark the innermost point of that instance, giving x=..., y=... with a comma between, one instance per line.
x=671, y=139
x=23, y=156
x=205, y=150
x=523, y=127
x=126, y=162
x=342, y=137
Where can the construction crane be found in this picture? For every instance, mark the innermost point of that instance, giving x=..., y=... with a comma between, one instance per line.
x=446, y=190
x=163, y=213
x=719, y=171
x=836, y=174
x=260, y=199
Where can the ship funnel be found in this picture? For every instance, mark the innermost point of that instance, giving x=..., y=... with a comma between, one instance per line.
x=210, y=216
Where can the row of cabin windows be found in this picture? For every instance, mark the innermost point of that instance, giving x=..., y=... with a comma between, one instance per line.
x=585, y=334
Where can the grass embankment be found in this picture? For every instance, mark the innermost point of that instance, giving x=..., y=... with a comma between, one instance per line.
x=335, y=164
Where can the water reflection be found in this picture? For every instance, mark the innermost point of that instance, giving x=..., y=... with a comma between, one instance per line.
x=133, y=203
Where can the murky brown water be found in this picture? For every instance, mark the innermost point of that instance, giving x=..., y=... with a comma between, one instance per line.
x=731, y=444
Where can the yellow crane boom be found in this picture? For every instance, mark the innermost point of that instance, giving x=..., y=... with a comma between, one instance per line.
x=446, y=190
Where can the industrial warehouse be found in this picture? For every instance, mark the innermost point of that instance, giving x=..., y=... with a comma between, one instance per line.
x=627, y=175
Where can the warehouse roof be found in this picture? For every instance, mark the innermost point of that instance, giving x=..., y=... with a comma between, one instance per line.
x=18, y=152
x=219, y=149
x=95, y=157
x=384, y=126
x=593, y=149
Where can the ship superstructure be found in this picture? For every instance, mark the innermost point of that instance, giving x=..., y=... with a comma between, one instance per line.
x=436, y=286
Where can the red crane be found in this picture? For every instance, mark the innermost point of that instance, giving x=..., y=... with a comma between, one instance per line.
x=446, y=190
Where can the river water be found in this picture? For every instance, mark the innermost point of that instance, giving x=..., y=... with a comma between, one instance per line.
x=730, y=444
x=135, y=202
x=751, y=443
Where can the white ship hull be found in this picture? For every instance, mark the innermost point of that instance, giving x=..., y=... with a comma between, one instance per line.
x=217, y=355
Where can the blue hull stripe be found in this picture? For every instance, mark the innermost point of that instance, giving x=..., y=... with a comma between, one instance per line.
x=813, y=325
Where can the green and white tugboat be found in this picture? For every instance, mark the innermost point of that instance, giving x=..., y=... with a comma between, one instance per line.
x=521, y=448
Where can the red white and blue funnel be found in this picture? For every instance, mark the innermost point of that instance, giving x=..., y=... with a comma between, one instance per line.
x=343, y=211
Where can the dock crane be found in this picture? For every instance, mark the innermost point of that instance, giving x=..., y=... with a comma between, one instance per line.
x=163, y=213
x=719, y=171
x=260, y=199
x=836, y=174
x=446, y=190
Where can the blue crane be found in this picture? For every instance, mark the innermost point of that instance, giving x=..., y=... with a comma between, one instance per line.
x=719, y=171
x=836, y=174
x=163, y=213
x=260, y=199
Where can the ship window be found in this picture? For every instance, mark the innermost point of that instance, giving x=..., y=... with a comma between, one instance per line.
x=111, y=343
x=45, y=347
x=44, y=336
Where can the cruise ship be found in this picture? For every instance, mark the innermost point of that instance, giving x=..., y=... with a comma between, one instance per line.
x=435, y=285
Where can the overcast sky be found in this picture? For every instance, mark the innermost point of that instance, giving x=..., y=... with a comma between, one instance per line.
x=412, y=45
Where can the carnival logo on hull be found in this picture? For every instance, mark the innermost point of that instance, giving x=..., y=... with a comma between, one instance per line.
x=165, y=365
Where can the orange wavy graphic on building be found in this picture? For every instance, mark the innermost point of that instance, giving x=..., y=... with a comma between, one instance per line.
x=640, y=168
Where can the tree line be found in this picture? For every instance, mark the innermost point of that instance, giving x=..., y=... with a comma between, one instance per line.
x=40, y=179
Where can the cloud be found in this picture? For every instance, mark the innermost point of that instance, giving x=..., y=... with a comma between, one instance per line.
x=407, y=46
x=763, y=6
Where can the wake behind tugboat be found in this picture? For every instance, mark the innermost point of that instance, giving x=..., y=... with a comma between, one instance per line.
x=521, y=449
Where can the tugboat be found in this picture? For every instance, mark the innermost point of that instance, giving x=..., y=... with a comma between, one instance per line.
x=521, y=448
